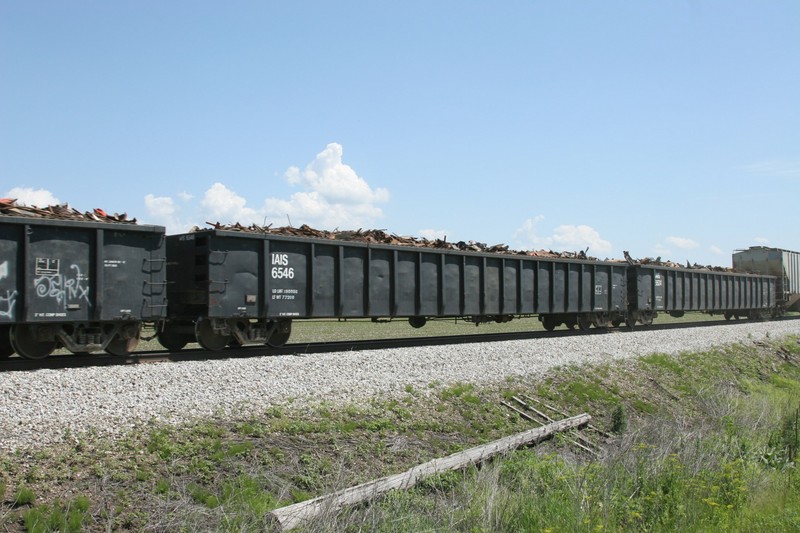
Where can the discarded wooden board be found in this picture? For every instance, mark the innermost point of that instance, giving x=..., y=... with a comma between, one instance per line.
x=297, y=514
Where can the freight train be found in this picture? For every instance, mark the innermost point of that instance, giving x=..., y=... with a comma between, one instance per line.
x=90, y=285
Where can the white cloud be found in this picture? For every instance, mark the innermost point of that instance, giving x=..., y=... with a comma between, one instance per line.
x=579, y=237
x=715, y=250
x=227, y=207
x=159, y=206
x=334, y=196
x=528, y=235
x=565, y=237
x=335, y=181
x=682, y=242
x=31, y=197
x=761, y=240
x=163, y=211
x=433, y=234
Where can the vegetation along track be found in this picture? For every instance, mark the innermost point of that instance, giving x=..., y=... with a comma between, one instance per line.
x=706, y=445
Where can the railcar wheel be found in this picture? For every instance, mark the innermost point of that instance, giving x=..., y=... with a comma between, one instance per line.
x=281, y=334
x=6, y=350
x=208, y=338
x=728, y=315
x=571, y=322
x=647, y=318
x=549, y=322
x=122, y=347
x=630, y=320
x=417, y=321
x=600, y=320
x=616, y=322
x=126, y=341
x=584, y=322
x=25, y=343
x=172, y=341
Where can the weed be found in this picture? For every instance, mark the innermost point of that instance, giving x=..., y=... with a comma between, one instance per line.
x=24, y=496
x=246, y=503
x=69, y=518
x=665, y=362
x=643, y=407
x=619, y=419
x=203, y=496
x=162, y=486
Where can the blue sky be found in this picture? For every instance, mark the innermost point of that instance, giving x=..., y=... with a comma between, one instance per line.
x=662, y=128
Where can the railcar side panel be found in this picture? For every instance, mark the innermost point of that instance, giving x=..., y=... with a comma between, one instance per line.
x=380, y=282
x=655, y=288
x=56, y=271
x=527, y=287
x=223, y=274
x=452, y=301
x=323, y=272
x=286, y=275
x=10, y=280
x=472, y=285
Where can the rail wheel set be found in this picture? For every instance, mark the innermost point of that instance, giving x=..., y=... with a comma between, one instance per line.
x=90, y=286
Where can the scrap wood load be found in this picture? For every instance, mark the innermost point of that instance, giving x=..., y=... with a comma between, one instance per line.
x=378, y=236
x=672, y=264
x=9, y=207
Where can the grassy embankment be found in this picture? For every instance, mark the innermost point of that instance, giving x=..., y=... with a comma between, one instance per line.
x=704, y=441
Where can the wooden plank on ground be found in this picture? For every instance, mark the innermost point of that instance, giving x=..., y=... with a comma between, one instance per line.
x=297, y=514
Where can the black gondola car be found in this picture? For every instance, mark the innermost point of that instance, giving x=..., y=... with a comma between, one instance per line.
x=87, y=286
x=232, y=287
x=653, y=289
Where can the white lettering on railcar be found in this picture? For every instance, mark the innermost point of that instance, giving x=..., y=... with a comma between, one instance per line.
x=284, y=294
x=280, y=267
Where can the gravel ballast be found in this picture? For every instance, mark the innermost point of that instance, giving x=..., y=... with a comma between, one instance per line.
x=41, y=407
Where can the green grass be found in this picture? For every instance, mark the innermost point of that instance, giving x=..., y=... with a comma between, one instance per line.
x=714, y=452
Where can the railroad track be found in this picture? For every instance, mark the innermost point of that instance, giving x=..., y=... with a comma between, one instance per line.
x=56, y=362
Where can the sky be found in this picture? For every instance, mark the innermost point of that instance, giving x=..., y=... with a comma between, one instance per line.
x=666, y=129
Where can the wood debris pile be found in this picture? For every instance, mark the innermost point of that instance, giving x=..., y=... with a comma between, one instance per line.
x=9, y=207
x=672, y=264
x=378, y=236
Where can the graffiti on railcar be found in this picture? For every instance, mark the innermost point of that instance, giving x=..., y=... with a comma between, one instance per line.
x=63, y=288
x=7, y=303
x=8, y=299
